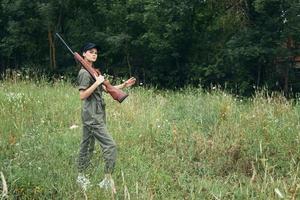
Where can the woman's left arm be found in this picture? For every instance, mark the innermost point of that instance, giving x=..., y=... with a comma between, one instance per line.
x=126, y=84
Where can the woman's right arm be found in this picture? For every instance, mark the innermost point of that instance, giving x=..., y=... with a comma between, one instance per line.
x=83, y=94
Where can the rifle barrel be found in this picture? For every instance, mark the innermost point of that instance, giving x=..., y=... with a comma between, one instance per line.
x=64, y=43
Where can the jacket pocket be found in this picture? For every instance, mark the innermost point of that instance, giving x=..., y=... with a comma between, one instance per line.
x=99, y=108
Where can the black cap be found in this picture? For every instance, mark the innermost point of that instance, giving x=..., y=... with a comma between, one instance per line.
x=88, y=46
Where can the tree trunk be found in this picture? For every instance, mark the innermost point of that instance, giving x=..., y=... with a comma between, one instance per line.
x=128, y=58
x=128, y=63
x=286, y=80
x=258, y=76
x=51, y=49
x=53, y=54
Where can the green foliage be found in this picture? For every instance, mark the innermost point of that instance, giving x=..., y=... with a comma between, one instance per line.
x=188, y=144
x=254, y=51
x=168, y=44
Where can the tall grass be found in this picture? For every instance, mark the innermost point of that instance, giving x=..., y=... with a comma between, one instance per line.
x=188, y=144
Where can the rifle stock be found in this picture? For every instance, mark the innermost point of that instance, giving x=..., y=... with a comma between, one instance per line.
x=116, y=93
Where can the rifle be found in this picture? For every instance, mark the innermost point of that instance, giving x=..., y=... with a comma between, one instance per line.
x=116, y=93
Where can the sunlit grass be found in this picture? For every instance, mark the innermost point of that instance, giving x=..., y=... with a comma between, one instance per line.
x=188, y=144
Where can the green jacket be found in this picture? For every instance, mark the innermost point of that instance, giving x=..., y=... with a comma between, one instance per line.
x=93, y=108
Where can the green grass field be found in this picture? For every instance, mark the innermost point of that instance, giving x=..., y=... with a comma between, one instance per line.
x=188, y=144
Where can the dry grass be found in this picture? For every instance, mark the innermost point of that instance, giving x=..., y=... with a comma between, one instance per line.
x=188, y=144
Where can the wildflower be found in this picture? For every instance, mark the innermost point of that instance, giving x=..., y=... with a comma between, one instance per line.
x=74, y=126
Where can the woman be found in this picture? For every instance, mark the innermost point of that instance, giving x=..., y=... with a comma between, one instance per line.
x=94, y=122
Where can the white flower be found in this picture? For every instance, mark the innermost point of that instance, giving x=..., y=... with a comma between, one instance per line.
x=74, y=126
x=285, y=20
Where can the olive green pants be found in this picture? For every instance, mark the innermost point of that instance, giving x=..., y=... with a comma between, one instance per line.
x=90, y=134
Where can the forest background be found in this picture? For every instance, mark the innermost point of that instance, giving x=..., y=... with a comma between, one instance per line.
x=239, y=45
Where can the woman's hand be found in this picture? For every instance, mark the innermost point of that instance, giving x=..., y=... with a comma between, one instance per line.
x=129, y=82
x=99, y=79
x=83, y=94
